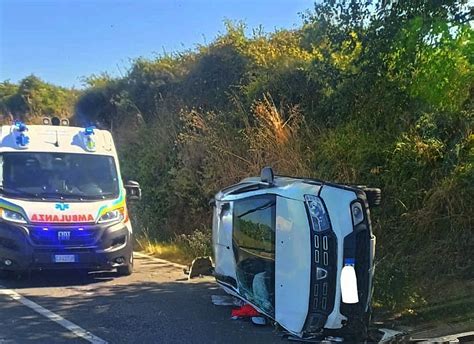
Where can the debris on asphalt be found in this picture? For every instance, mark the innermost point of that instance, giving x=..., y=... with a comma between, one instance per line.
x=388, y=336
x=201, y=266
x=226, y=300
x=259, y=321
x=245, y=311
x=375, y=335
x=465, y=337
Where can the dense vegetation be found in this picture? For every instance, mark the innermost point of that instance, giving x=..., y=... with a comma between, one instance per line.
x=33, y=99
x=376, y=94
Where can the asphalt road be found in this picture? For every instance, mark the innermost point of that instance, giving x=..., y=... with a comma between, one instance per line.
x=157, y=304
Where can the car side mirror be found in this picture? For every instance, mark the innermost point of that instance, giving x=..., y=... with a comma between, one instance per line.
x=267, y=176
x=134, y=193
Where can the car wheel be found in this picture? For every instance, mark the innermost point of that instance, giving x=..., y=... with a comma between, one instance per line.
x=374, y=196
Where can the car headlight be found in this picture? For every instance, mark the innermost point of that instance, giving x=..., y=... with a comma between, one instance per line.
x=12, y=216
x=318, y=213
x=357, y=213
x=116, y=215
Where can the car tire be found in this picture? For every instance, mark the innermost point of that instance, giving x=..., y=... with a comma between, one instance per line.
x=358, y=331
x=374, y=196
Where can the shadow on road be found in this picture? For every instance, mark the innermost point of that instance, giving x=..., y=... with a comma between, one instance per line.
x=146, y=307
x=57, y=278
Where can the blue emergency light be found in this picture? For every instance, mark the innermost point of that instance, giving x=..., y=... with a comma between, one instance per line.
x=22, y=140
x=20, y=126
x=89, y=130
x=88, y=139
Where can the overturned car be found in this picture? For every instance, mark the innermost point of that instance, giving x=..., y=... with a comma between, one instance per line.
x=299, y=250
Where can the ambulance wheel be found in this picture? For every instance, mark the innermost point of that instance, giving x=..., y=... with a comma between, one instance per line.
x=126, y=270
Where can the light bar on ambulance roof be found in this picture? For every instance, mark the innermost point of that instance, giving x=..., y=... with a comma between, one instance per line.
x=20, y=126
x=88, y=139
x=89, y=130
x=21, y=139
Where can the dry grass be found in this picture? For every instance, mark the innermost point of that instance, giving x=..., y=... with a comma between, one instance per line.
x=446, y=303
x=182, y=249
x=164, y=250
x=277, y=139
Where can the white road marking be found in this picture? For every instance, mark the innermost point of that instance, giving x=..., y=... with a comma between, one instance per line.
x=78, y=331
x=159, y=260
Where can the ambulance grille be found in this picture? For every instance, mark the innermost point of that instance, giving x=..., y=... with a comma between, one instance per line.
x=63, y=237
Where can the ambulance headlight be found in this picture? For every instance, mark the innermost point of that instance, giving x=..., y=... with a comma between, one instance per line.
x=12, y=216
x=116, y=215
x=319, y=216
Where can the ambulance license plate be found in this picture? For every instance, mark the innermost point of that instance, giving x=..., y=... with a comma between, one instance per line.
x=65, y=258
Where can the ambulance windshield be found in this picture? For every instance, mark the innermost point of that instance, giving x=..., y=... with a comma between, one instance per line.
x=47, y=175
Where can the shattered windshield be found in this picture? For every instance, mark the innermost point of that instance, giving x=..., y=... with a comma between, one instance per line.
x=58, y=176
x=254, y=246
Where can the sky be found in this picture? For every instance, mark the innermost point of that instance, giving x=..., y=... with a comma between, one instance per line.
x=62, y=41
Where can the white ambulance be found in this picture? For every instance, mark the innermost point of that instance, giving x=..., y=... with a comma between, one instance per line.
x=62, y=200
x=300, y=251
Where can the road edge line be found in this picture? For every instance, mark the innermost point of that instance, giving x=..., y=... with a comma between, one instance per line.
x=68, y=325
x=159, y=260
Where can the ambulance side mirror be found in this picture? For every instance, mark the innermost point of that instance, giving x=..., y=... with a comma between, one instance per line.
x=134, y=193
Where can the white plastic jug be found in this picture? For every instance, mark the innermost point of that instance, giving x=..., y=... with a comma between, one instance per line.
x=349, y=283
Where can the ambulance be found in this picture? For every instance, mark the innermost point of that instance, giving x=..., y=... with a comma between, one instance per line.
x=63, y=204
x=300, y=251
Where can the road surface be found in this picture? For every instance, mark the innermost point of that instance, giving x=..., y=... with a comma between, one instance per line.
x=157, y=304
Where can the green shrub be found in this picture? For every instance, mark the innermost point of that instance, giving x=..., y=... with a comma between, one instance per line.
x=196, y=244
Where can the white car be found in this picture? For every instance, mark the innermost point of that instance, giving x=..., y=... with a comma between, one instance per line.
x=299, y=250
